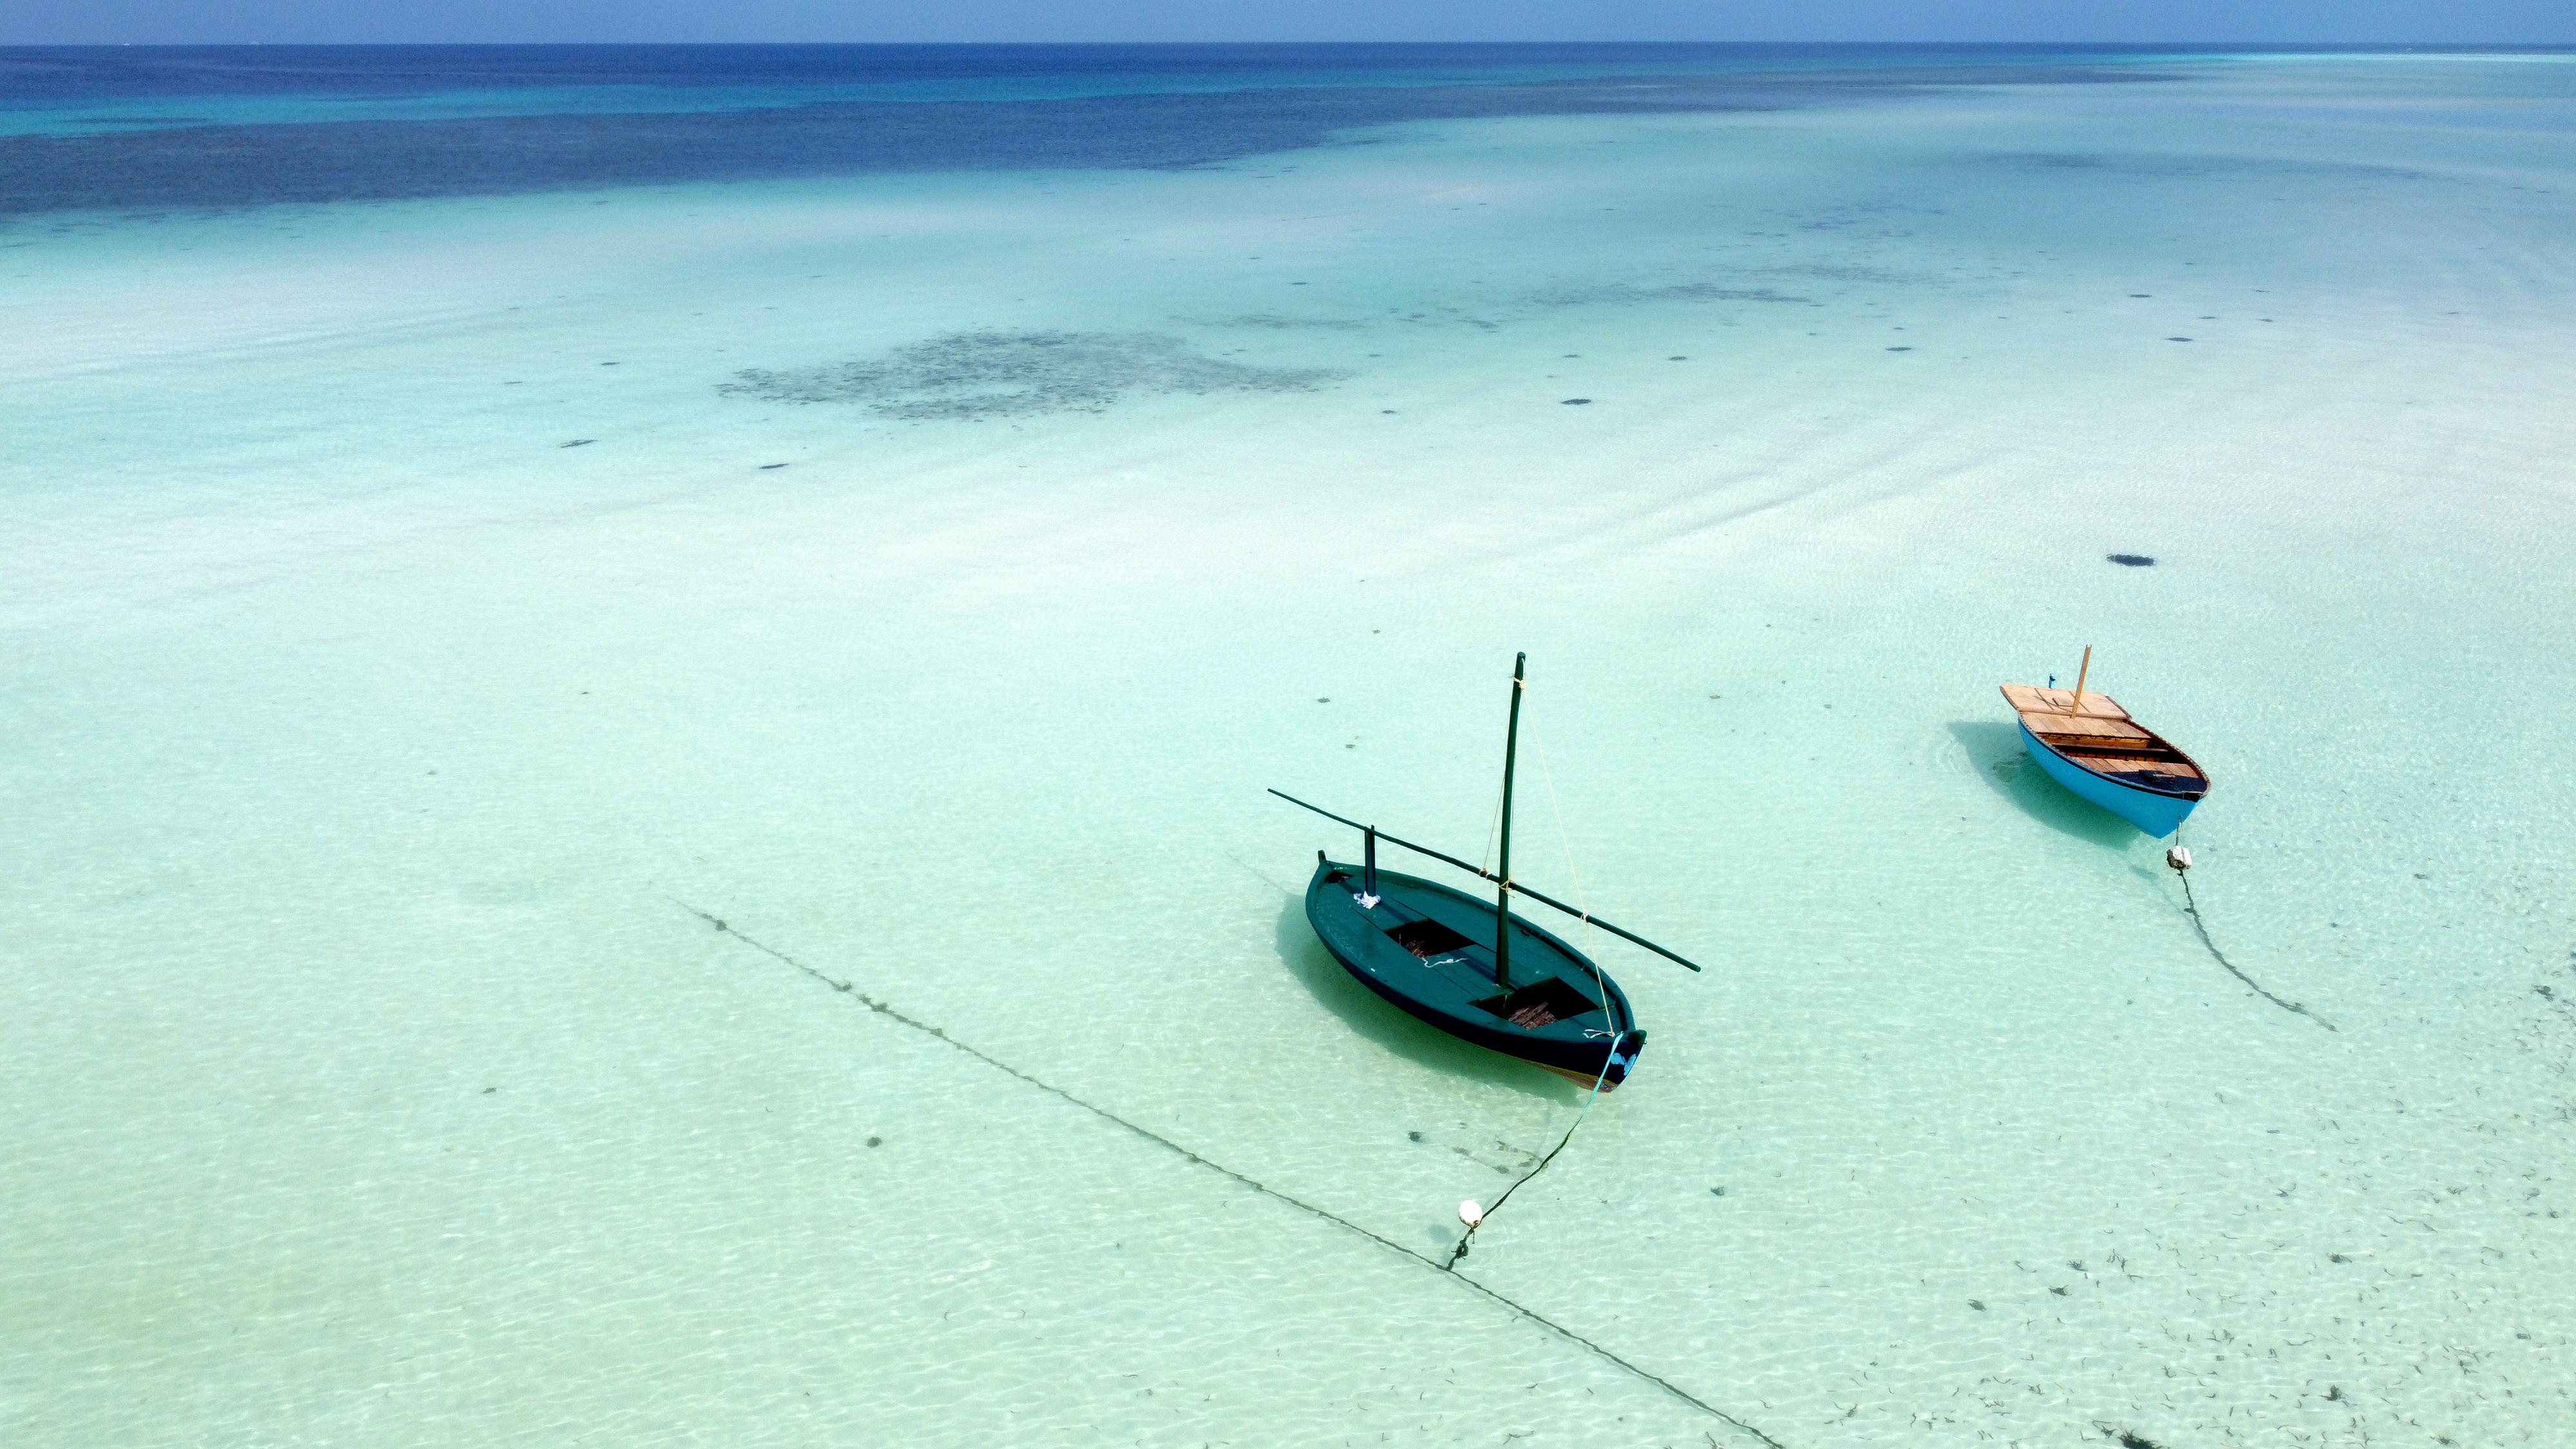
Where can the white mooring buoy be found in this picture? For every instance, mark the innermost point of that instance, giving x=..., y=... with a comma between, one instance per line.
x=2179, y=857
x=1470, y=1213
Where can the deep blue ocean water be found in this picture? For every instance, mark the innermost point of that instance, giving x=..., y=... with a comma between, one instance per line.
x=147, y=128
x=40, y=76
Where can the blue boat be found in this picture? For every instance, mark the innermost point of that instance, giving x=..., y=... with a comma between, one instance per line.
x=2090, y=745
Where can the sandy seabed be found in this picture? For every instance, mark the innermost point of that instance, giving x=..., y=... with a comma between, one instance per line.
x=415, y=612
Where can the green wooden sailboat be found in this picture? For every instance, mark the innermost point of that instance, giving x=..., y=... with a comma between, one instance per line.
x=1436, y=952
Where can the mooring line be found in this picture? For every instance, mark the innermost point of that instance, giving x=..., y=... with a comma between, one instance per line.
x=887, y=1010
x=1487, y=1215
x=2191, y=908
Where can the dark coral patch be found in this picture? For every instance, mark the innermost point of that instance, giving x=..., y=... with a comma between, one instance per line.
x=974, y=375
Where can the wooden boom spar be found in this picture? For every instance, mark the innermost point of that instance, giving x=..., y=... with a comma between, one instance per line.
x=1514, y=886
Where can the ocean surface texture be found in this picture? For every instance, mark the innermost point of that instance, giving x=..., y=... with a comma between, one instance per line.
x=639, y=686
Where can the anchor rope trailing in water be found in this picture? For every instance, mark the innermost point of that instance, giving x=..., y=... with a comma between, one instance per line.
x=1486, y=1215
x=2180, y=859
x=886, y=1010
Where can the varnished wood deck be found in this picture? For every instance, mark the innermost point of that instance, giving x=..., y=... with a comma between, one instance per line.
x=2031, y=699
x=2101, y=737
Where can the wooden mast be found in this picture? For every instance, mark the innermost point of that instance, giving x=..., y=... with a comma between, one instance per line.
x=2076, y=705
x=1503, y=867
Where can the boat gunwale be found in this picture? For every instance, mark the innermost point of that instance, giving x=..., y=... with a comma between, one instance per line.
x=1620, y=1022
x=2153, y=740
x=2126, y=784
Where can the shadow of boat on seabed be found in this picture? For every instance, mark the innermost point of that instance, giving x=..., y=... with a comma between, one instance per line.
x=1996, y=754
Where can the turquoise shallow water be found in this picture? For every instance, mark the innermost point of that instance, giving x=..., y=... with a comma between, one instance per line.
x=369, y=747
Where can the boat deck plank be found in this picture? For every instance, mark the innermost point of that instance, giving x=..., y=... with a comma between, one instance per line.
x=2077, y=728
x=2031, y=699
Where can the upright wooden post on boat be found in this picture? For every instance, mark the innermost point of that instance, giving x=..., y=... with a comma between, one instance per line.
x=1503, y=867
x=2076, y=705
x=1368, y=872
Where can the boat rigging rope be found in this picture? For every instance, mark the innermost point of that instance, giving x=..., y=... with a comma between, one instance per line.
x=1617, y=1036
x=1502, y=792
x=2182, y=870
x=1493, y=826
x=1448, y=1269
x=1583, y=908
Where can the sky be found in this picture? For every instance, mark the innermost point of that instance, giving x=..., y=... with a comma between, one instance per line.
x=2470, y=22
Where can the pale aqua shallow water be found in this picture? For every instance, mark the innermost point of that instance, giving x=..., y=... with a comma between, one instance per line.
x=373, y=1087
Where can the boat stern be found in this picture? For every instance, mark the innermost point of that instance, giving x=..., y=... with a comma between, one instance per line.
x=1614, y=1069
x=2156, y=812
x=1623, y=1057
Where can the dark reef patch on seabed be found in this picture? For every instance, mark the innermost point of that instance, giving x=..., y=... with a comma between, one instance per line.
x=2232, y=168
x=974, y=375
x=1616, y=292
x=1272, y=322
x=1428, y=315
x=1878, y=276
x=199, y=166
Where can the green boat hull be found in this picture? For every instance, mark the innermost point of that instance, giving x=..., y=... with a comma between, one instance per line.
x=1429, y=950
